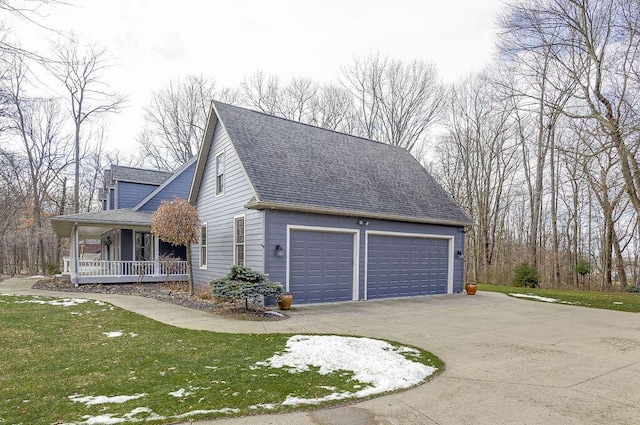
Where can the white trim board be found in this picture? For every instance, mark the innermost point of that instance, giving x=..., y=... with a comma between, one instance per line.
x=356, y=252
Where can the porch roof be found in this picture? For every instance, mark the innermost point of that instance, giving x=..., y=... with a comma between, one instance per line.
x=97, y=222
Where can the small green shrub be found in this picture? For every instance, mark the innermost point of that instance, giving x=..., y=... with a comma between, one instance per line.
x=583, y=267
x=51, y=268
x=526, y=276
x=632, y=289
x=243, y=283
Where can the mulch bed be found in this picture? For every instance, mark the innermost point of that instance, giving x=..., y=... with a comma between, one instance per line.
x=171, y=292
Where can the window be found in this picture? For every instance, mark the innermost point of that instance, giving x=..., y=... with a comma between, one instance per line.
x=144, y=246
x=203, y=246
x=220, y=174
x=238, y=240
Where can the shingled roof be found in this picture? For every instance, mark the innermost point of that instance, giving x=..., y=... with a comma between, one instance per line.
x=137, y=175
x=302, y=167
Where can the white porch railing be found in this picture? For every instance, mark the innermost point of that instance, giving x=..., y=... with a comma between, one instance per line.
x=103, y=268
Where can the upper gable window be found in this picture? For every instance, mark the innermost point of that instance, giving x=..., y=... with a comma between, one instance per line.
x=220, y=174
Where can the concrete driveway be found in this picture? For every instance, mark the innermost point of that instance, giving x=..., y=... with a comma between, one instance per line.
x=509, y=361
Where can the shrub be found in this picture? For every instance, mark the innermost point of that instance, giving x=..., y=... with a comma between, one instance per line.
x=632, y=289
x=51, y=268
x=526, y=275
x=203, y=292
x=583, y=267
x=243, y=283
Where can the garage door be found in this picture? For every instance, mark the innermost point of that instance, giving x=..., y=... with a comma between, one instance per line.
x=404, y=266
x=320, y=266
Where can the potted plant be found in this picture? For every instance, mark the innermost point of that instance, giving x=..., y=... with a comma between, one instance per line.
x=284, y=300
x=471, y=288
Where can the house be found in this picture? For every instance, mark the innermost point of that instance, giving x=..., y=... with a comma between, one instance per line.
x=128, y=250
x=332, y=216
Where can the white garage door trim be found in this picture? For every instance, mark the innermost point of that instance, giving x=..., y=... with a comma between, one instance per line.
x=408, y=235
x=356, y=251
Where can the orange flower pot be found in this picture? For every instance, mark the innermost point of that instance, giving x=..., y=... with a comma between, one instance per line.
x=285, y=300
x=471, y=288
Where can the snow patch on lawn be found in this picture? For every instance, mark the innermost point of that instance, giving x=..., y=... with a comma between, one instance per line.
x=205, y=412
x=116, y=334
x=109, y=418
x=376, y=363
x=535, y=297
x=267, y=406
x=64, y=302
x=150, y=415
x=90, y=400
x=180, y=393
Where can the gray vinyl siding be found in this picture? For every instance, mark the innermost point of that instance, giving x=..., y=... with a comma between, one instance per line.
x=276, y=233
x=218, y=213
x=130, y=194
x=178, y=187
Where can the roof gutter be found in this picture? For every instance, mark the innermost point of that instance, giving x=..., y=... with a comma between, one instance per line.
x=265, y=205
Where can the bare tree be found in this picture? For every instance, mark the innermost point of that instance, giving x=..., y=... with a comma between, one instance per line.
x=26, y=10
x=396, y=102
x=301, y=99
x=177, y=222
x=175, y=121
x=478, y=161
x=596, y=44
x=262, y=93
x=38, y=126
x=80, y=69
x=298, y=100
x=334, y=109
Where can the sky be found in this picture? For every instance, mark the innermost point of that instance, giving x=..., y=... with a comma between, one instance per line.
x=152, y=42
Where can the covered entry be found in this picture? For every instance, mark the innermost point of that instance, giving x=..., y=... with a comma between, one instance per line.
x=401, y=265
x=321, y=264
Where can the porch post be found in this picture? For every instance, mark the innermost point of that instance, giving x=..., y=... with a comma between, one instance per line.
x=156, y=254
x=73, y=251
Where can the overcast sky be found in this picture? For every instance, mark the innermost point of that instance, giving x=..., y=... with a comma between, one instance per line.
x=152, y=42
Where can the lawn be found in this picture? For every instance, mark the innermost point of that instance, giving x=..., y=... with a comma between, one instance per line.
x=90, y=362
x=620, y=301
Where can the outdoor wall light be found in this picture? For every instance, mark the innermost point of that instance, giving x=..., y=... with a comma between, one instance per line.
x=460, y=254
x=363, y=223
x=279, y=251
x=107, y=241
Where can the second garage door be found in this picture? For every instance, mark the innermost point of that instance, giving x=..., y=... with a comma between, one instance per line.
x=399, y=266
x=320, y=266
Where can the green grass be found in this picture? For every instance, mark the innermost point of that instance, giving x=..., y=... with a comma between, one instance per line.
x=48, y=353
x=620, y=301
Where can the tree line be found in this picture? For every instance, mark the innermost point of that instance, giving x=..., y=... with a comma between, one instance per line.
x=541, y=147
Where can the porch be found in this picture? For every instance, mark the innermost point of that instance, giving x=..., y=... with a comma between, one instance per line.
x=129, y=252
x=103, y=271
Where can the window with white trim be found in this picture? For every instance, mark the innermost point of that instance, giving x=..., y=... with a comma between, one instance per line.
x=203, y=246
x=238, y=240
x=220, y=174
x=143, y=246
